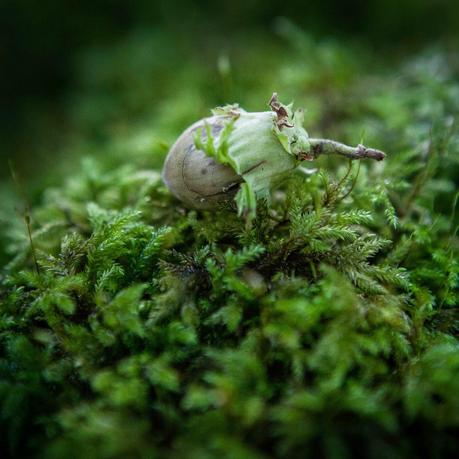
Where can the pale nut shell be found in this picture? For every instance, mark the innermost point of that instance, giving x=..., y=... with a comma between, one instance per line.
x=194, y=177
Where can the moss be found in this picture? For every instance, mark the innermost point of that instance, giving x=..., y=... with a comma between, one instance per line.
x=328, y=328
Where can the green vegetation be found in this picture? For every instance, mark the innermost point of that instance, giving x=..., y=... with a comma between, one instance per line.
x=135, y=327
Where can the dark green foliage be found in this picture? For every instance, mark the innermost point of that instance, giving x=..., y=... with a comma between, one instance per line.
x=327, y=329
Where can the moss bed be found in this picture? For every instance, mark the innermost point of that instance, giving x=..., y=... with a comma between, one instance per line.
x=134, y=327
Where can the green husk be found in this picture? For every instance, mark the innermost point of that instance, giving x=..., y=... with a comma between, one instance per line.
x=260, y=157
x=262, y=147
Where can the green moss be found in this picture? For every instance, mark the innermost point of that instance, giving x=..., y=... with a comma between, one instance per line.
x=327, y=328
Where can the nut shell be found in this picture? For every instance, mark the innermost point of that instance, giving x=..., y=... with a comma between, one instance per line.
x=194, y=177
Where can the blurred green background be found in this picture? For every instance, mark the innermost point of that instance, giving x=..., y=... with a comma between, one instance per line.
x=76, y=71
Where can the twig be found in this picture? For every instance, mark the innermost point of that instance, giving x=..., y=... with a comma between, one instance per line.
x=26, y=214
x=330, y=147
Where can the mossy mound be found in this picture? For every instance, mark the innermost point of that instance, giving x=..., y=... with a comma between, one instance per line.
x=329, y=328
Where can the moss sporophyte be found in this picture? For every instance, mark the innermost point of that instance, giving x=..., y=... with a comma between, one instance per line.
x=240, y=155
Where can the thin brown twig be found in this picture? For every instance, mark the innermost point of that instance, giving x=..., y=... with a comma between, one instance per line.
x=26, y=213
x=330, y=147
